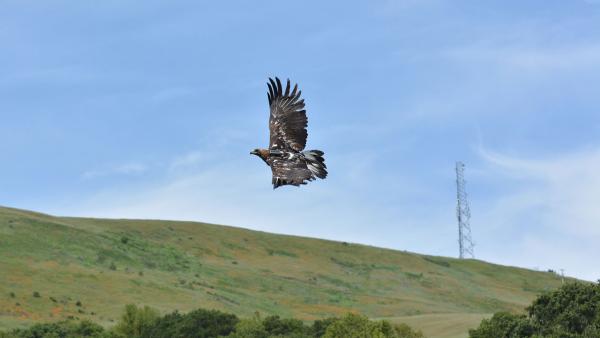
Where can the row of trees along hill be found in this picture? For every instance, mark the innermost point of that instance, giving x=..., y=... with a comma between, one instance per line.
x=145, y=322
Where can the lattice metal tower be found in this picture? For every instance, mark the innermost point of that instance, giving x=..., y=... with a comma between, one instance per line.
x=463, y=213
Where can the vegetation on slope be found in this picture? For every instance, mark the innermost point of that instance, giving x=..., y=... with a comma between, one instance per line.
x=146, y=323
x=56, y=268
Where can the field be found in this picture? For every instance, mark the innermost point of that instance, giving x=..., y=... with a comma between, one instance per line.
x=54, y=268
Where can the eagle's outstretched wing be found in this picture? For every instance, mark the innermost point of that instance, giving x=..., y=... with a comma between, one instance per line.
x=290, y=171
x=287, y=123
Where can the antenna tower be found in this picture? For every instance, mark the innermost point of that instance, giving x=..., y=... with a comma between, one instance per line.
x=463, y=213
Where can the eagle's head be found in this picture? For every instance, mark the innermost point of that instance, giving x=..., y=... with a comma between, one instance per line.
x=262, y=153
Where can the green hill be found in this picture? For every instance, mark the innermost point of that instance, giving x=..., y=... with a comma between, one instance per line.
x=91, y=268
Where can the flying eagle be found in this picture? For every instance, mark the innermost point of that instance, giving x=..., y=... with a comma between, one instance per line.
x=287, y=125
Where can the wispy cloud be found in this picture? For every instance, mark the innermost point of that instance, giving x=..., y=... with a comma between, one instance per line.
x=564, y=188
x=189, y=159
x=127, y=169
x=552, y=204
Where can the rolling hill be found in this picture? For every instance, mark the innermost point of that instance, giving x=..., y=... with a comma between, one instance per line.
x=53, y=268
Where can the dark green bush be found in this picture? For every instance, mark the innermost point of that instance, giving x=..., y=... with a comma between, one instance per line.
x=573, y=311
x=207, y=323
x=320, y=326
x=276, y=326
x=574, y=307
x=504, y=325
x=196, y=324
x=63, y=329
x=164, y=326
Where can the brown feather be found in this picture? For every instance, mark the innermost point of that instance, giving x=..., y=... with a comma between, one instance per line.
x=288, y=121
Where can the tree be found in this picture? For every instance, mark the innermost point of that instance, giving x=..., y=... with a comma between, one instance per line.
x=196, y=324
x=136, y=321
x=357, y=326
x=165, y=326
x=503, y=325
x=250, y=328
x=276, y=326
x=320, y=326
x=207, y=324
x=405, y=331
x=573, y=311
x=574, y=307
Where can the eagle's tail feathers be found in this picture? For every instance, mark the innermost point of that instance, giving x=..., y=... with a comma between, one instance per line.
x=316, y=163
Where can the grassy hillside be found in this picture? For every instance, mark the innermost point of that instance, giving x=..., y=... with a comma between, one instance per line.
x=90, y=268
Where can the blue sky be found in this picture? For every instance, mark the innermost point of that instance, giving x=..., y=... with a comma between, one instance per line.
x=149, y=110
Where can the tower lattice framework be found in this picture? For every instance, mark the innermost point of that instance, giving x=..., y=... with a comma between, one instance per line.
x=463, y=213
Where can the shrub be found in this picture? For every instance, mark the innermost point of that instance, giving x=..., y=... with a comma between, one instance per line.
x=36, y=294
x=571, y=311
x=574, y=307
x=136, y=321
x=320, y=326
x=63, y=329
x=405, y=331
x=165, y=326
x=88, y=329
x=357, y=326
x=505, y=325
x=250, y=328
x=208, y=323
x=276, y=326
x=197, y=324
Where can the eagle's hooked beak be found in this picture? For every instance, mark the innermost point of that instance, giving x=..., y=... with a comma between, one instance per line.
x=254, y=152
